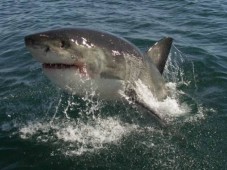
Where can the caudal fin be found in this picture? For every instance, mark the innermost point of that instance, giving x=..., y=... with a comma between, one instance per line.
x=159, y=52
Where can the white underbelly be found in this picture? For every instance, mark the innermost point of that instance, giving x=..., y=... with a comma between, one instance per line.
x=73, y=82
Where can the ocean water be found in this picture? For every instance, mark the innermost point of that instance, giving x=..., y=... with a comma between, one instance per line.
x=42, y=127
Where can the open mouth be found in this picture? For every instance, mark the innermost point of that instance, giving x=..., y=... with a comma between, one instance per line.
x=81, y=67
x=61, y=66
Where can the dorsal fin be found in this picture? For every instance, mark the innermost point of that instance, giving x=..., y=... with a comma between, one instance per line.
x=159, y=52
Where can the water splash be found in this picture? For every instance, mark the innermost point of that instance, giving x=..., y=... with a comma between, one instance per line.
x=181, y=76
x=77, y=137
x=166, y=109
x=176, y=77
x=174, y=72
x=74, y=135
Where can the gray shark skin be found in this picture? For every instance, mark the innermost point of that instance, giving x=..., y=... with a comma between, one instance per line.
x=81, y=60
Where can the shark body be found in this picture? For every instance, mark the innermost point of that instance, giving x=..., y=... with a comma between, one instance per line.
x=81, y=60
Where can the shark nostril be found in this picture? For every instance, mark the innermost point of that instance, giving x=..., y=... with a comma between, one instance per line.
x=47, y=49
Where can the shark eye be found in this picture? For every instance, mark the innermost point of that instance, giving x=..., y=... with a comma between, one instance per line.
x=64, y=44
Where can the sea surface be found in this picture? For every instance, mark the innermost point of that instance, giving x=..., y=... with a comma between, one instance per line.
x=42, y=127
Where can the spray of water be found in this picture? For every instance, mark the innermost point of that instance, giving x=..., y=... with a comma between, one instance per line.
x=177, y=77
x=167, y=108
x=173, y=106
x=77, y=137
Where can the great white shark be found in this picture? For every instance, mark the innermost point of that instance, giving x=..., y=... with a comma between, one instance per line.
x=81, y=60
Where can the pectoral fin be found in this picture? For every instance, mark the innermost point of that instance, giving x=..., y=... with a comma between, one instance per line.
x=151, y=113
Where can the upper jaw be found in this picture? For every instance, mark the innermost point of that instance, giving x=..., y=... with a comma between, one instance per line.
x=44, y=52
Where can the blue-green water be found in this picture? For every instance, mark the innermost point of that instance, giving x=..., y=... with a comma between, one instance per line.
x=42, y=127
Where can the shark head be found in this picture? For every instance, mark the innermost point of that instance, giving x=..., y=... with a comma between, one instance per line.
x=71, y=57
x=61, y=49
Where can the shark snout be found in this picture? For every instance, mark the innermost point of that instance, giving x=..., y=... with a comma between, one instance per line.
x=36, y=40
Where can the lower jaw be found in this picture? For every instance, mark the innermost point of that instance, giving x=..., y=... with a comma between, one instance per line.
x=77, y=83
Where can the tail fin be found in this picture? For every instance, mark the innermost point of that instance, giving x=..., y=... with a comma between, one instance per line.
x=159, y=52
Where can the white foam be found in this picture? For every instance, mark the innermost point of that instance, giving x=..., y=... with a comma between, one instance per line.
x=167, y=108
x=79, y=136
x=32, y=128
x=201, y=114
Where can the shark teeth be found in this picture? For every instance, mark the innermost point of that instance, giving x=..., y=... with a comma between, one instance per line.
x=81, y=67
x=59, y=66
